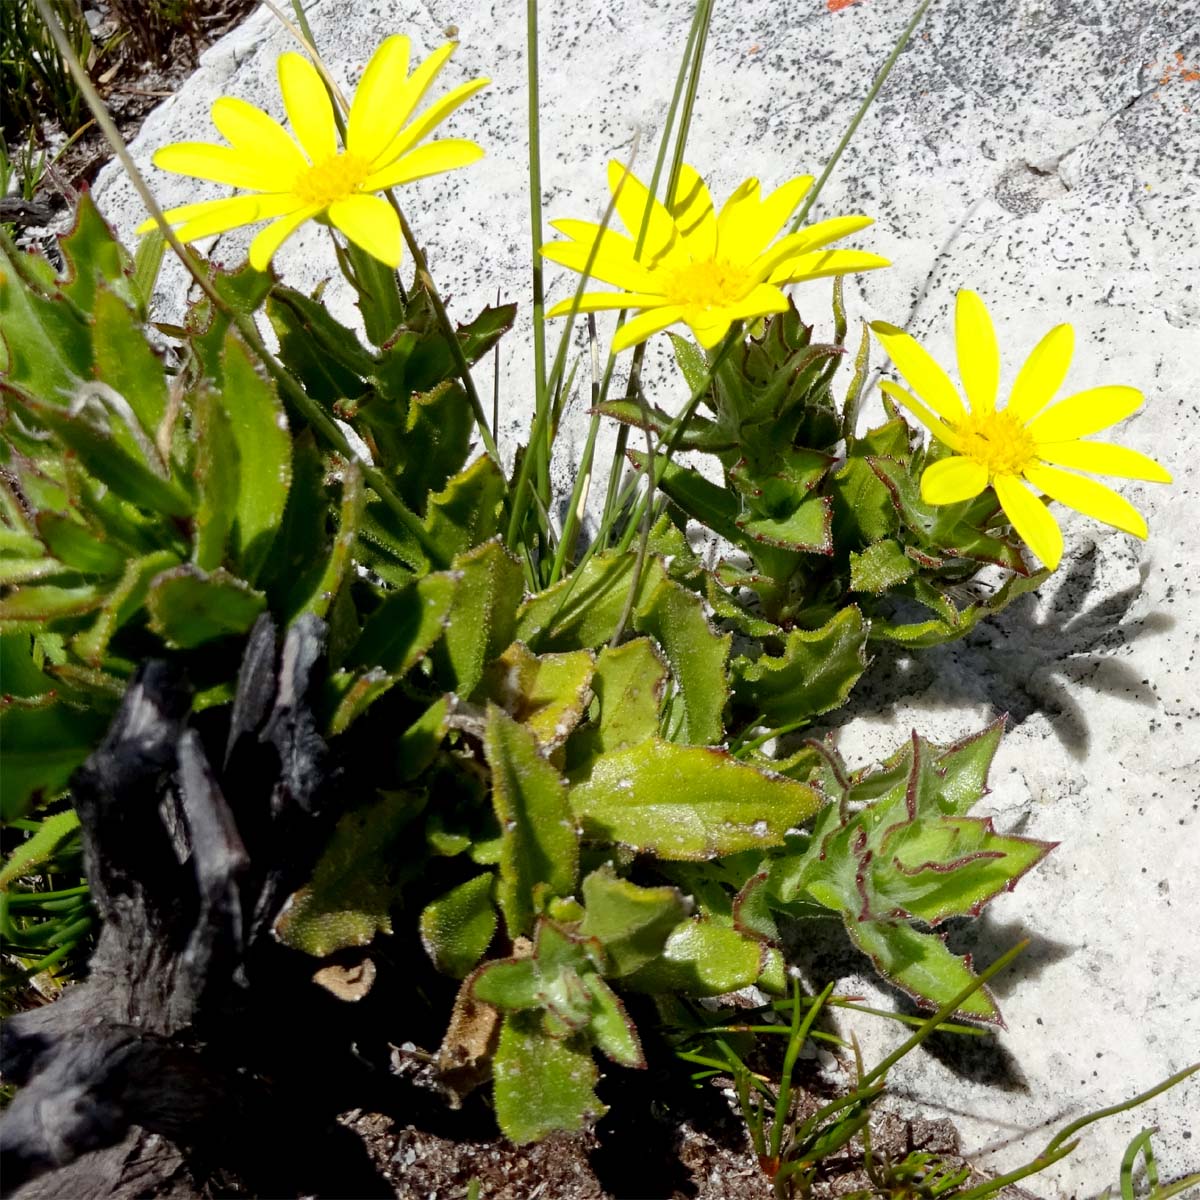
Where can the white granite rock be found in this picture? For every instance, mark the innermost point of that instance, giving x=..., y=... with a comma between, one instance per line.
x=1047, y=154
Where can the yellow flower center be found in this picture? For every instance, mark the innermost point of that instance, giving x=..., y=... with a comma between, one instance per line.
x=335, y=178
x=713, y=283
x=997, y=440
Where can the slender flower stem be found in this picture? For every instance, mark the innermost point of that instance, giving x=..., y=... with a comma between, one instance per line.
x=868, y=100
x=541, y=394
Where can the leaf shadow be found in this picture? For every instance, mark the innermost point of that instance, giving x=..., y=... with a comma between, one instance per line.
x=821, y=951
x=1023, y=663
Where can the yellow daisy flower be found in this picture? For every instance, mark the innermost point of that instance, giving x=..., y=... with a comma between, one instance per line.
x=1025, y=442
x=697, y=266
x=305, y=175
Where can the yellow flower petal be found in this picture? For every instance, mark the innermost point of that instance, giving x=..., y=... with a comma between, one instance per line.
x=692, y=209
x=1033, y=521
x=373, y=121
x=748, y=224
x=635, y=205
x=777, y=208
x=614, y=262
x=308, y=107
x=418, y=83
x=1043, y=373
x=1085, y=413
x=978, y=351
x=820, y=264
x=220, y=164
x=709, y=328
x=644, y=325
x=935, y=425
x=259, y=137
x=218, y=216
x=1103, y=458
x=1089, y=497
x=372, y=223
x=433, y=116
x=268, y=240
x=762, y=299
x=950, y=480
x=813, y=237
x=739, y=236
x=924, y=375
x=607, y=302
x=446, y=154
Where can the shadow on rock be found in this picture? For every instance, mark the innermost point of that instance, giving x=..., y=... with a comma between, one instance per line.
x=1022, y=664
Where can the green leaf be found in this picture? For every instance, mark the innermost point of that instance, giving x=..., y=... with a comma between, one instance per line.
x=356, y=882
x=94, y=256
x=808, y=528
x=897, y=846
x=457, y=928
x=403, y=629
x=692, y=363
x=41, y=605
x=79, y=546
x=936, y=869
x=432, y=445
x=467, y=511
x=19, y=674
x=483, y=617
x=189, y=607
x=42, y=747
x=126, y=361
x=39, y=849
x=675, y=618
x=813, y=675
x=301, y=558
x=632, y=923
x=862, y=506
x=244, y=291
x=418, y=744
x=511, y=984
x=99, y=452
x=687, y=802
x=701, y=959
x=378, y=291
x=121, y=604
x=325, y=354
x=962, y=769
x=546, y=693
x=218, y=477
x=45, y=346
x=610, y=1026
x=880, y=567
x=629, y=684
x=921, y=965
x=542, y=1084
x=539, y=844
x=583, y=609
x=264, y=447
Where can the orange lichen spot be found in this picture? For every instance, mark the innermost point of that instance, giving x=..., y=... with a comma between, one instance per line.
x=838, y=5
x=1176, y=70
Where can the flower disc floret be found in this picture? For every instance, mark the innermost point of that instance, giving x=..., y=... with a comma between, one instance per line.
x=1019, y=450
x=685, y=262
x=290, y=178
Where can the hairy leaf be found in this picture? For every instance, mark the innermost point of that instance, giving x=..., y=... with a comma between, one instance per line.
x=539, y=845
x=687, y=802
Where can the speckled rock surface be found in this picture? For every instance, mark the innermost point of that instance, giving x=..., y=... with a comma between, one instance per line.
x=1046, y=153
